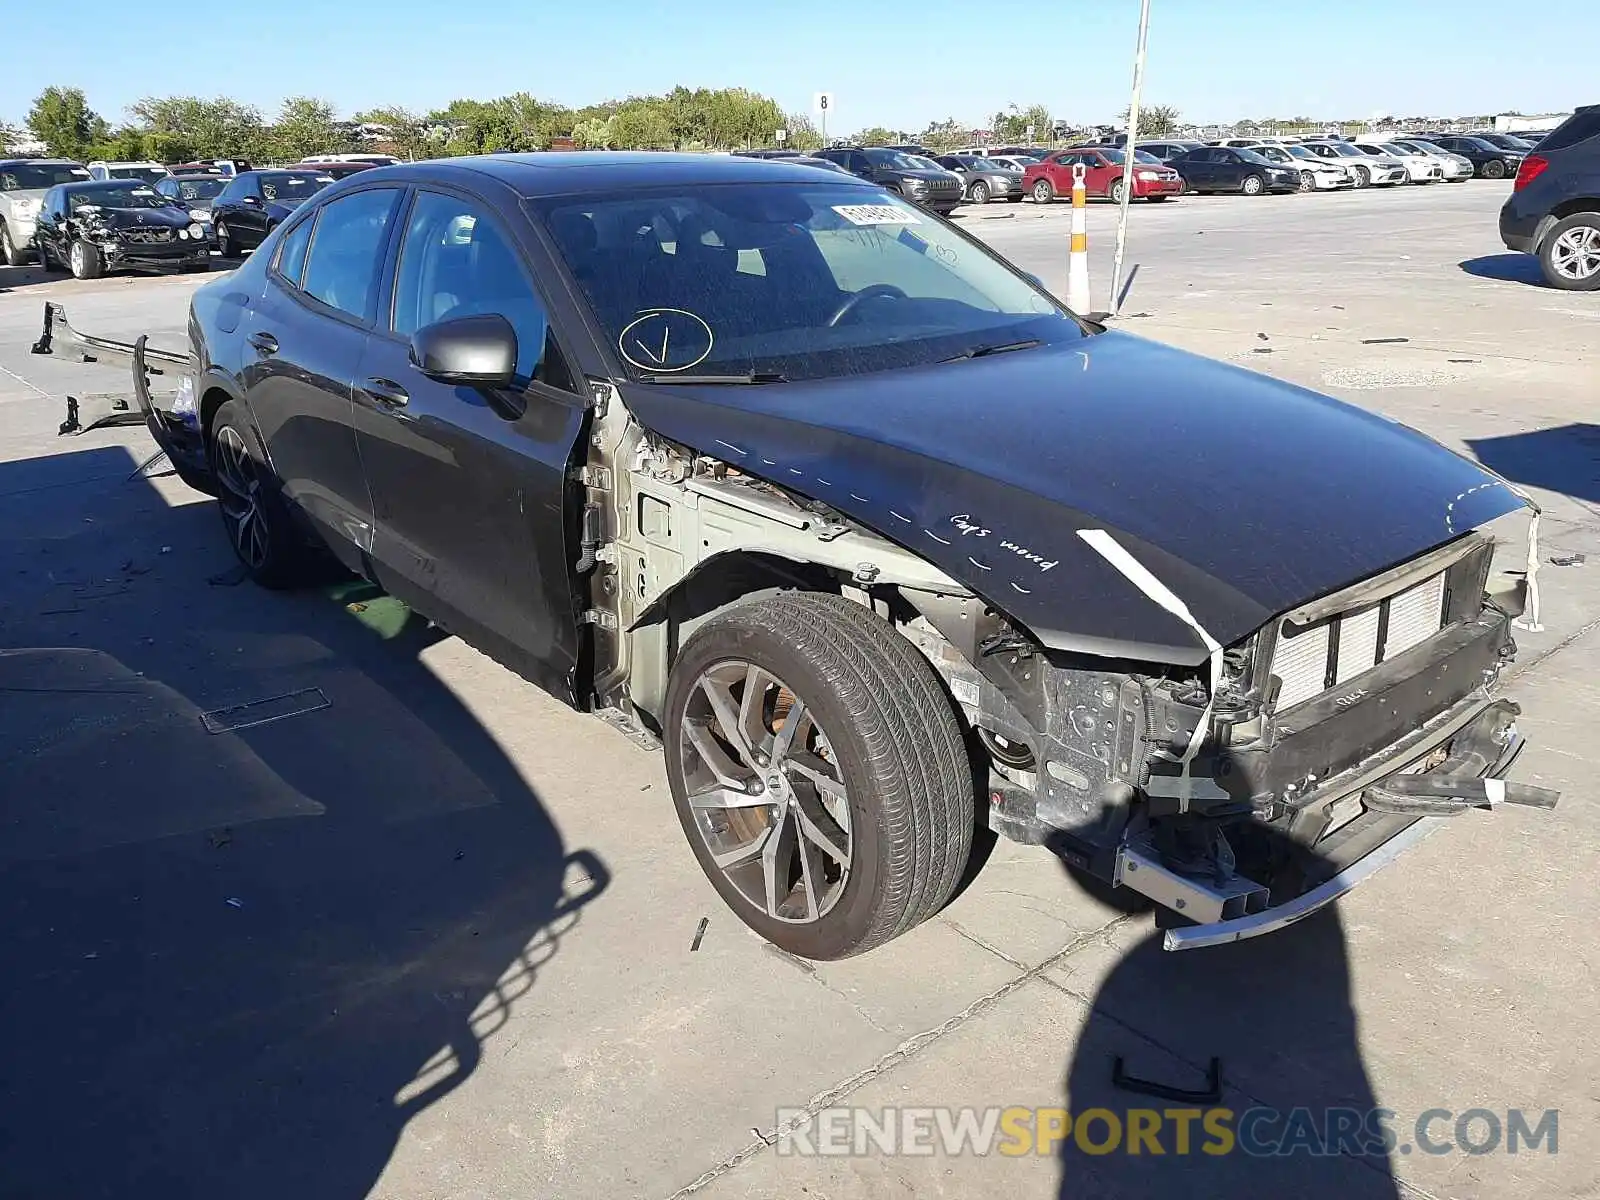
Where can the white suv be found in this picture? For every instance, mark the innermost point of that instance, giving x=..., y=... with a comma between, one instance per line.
x=150, y=172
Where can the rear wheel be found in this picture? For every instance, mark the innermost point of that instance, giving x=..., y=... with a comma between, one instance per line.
x=979, y=193
x=1043, y=191
x=1116, y=191
x=1494, y=170
x=226, y=246
x=819, y=772
x=260, y=529
x=1252, y=185
x=1570, y=255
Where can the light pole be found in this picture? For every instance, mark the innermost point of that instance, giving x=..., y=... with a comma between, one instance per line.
x=1127, y=158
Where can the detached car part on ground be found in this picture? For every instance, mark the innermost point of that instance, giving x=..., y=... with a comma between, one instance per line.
x=864, y=528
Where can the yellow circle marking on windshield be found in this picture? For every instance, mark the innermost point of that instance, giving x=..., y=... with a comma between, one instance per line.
x=650, y=340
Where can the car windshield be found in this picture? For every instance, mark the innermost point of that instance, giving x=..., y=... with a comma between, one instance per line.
x=1477, y=143
x=1346, y=149
x=892, y=158
x=148, y=174
x=1301, y=152
x=127, y=195
x=1274, y=153
x=799, y=281
x=1253, y=156
x=1114, y=155
x=35, y=177
x=286, y=185
x=926, y=164
x=203, y=187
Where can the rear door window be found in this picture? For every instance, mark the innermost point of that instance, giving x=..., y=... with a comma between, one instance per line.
x=347, y=249
x=1579, y=127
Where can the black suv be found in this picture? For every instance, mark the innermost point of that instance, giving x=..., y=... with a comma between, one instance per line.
x=931, y=187
x=1554, y=209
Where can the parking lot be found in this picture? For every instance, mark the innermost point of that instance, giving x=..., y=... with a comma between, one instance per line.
x=216, y=939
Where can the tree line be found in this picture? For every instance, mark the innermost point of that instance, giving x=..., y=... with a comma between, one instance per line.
x=185, y=128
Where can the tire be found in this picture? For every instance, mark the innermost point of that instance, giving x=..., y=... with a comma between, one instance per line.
x=1155, y=199
x=1014, y=199
x=1115, y=191
x=44, y=258
x=263, y=535
x=11, y=254
x=1494, y=170
x=1570, y=253
x=1308, y=181
x=1252, y=185
x=979, y=193
x=881, y=741
x=85, y=261
x=1363, y=176
x=1043, y=191
x=225, y=242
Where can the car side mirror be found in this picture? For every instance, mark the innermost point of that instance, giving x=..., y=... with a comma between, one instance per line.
x=477, y=351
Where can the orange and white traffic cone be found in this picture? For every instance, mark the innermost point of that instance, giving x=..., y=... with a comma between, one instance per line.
x=1078, y=257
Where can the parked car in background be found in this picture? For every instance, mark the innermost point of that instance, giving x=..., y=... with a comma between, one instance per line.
x=1503, y=141
x=1420, y=168
x=147, y=172
x=859, y=623
x=1014, y=162
x=1374, y=170
x=335, y=170
x=254, y=202
x=196, y=193
x=1316, y=174
x=226, y=167
x=1452, y=167
x=1170, y=149
x=1488, y=160
x=934, y=188
x=23, y=183
x=1554, y=207
x=1230, y=169
x=1104, y=167
x=985, y=179
x=96, y=226
x=372, y=160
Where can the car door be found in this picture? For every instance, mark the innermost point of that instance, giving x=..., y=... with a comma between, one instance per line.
x=47, y=225
x=475, y=521
x=1199, y=169
x=1228, y=169
x=306, y=335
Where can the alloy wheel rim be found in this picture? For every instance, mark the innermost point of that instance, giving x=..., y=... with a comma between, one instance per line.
x=77, y=258
x=766, y=792
x=1575, y=254
x=240, y=497
x=1252, y=185
x=1306, y=181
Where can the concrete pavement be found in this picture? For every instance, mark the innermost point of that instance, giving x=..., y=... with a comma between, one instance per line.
x=434, y=939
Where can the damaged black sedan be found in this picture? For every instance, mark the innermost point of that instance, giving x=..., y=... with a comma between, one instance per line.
x=880, y=544
x=97, y=226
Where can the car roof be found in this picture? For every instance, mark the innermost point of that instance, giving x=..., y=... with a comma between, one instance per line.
x=86, y=185
x=39, y=162
x=557, y=173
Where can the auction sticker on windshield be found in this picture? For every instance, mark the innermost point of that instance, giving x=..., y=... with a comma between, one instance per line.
x=876, y=214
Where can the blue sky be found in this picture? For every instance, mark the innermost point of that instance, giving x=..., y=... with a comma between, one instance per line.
x=899, y=65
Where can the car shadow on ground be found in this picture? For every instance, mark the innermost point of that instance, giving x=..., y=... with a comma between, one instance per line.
x=1507, y=268
x=238, y=963
x=1564, y=458
x=1276, y=1013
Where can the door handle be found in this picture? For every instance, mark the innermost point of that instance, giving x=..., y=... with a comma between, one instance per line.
x=386, y=392
x=264, y=343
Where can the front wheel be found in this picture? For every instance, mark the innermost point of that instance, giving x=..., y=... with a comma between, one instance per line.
x=85, y=260
x=1252, y=185
x=1308, y=181
x=1043, y=191
x=979, y=193
x=819, y=772
x=10, y=253
x=1494, y=170
x=1363, y=177
x=1570, y=255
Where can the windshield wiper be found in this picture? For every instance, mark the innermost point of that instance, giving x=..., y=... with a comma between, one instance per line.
x=747, y=378
x=986, y=351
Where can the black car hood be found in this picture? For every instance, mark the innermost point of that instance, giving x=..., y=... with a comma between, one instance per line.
x=1244, y=495
x=154, y=218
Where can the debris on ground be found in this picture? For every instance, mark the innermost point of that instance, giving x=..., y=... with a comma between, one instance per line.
x=699, y=934
x=263, y=712
x=1568, y=560
x=1383, y=341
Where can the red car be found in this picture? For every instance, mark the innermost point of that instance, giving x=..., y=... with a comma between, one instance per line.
x=1052, y=178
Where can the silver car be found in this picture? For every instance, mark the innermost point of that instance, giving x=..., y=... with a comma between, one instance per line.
x=23, y=183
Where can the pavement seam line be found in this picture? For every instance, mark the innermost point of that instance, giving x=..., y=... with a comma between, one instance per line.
x=907, y=1050
x=1571, y=639
x=29, y=384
